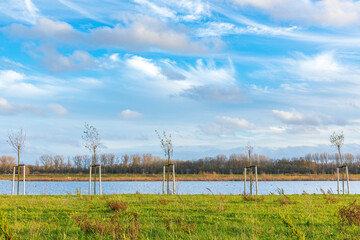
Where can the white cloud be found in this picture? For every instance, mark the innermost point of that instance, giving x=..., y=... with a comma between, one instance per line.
x=45, y=29
x=321, y=67
x=57, y=109
x=145, y=33
x=8, y=108
x=323, y=12
x=18, y=84
x=142, y=33
x=127, y=114
x=224, y=125
x=203, y=78
x=114, y=57
x=147, y=66
x=57, y=62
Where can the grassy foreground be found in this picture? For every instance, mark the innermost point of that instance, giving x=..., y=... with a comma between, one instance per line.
x=179, y=217
x=182, y=177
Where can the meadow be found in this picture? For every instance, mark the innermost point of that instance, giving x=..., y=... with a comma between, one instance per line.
x=139, y=216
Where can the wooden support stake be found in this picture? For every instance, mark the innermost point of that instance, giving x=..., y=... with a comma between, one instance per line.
x=100, y=180
x=244, y=181
x=256, y=180
x=338, y=183
x=164, y=168
x=90, y=181
x=24, y=181
x=173, y=178
x=347, y=179
x=13, y=181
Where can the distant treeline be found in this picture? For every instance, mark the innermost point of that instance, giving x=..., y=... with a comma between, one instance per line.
x=320, y=163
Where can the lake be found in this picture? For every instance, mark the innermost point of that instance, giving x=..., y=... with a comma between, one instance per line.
x=185, y=187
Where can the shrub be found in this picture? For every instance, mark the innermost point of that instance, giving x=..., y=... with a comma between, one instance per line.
x=117, y=205
x=350, y=214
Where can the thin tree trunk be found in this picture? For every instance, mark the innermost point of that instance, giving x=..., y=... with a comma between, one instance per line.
x=95, y=172
x=342, y=171
x=168, y=173
x=18, y=173
x=250, y=173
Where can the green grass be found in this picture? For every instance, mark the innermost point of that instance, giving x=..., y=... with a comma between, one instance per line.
x=175, y=217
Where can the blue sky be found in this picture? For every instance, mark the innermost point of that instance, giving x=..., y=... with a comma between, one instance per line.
x=217, y=75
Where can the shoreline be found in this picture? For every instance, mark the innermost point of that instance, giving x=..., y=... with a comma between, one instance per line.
x=180, y=177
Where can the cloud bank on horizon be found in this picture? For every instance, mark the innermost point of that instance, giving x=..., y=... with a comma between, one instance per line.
x=214, y=74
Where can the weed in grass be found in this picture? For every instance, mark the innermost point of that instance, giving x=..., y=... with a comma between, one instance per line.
x=4, y=227
x=253, y=198
x=289, y=223
x=125, y=227
x=328, y=198
x=88, y=226
x=163, y=201
x=350, y=214
x=285, y=200
x=118, y=205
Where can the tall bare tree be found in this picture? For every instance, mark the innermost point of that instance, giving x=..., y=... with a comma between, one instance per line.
x=166, y=145
x=17, y=141
x=92, y=142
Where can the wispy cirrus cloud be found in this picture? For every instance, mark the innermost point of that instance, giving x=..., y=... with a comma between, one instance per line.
x=22, y=10
x=324, y=12
x=310, y=123
x=202, y=81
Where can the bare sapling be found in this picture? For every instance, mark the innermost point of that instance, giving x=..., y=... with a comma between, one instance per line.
x=92, y=142
x=166, y=145
x=337, y=140
x=249, y=150
x=17, y=142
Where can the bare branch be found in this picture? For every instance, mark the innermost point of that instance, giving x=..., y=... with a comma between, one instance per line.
x=166, y=143
x=91, y=138
x=337, y=139
x=17, y=139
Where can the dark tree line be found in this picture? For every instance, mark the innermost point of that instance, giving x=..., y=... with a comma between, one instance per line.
x=319, y=163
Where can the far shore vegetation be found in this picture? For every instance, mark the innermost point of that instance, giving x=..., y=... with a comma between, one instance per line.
x=180, y=177
x=316, y=166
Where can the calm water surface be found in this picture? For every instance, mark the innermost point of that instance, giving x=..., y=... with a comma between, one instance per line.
x=186, y=187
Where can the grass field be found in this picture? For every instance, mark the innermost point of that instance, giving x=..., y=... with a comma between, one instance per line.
x=182, y=177
x=180, y=217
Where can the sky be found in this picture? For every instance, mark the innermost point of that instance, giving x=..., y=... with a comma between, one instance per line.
x=281, y=75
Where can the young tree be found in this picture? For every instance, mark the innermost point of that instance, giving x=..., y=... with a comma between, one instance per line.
x=166, y=145
x=337, y=140
x=92, y=142
x=17, y=141
x=249, y=148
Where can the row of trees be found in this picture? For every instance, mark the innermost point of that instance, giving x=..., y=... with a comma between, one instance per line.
x=221, y=164
x=147, y=163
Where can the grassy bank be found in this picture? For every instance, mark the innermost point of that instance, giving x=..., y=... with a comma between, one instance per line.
x=179, y=217
x=182, y=177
